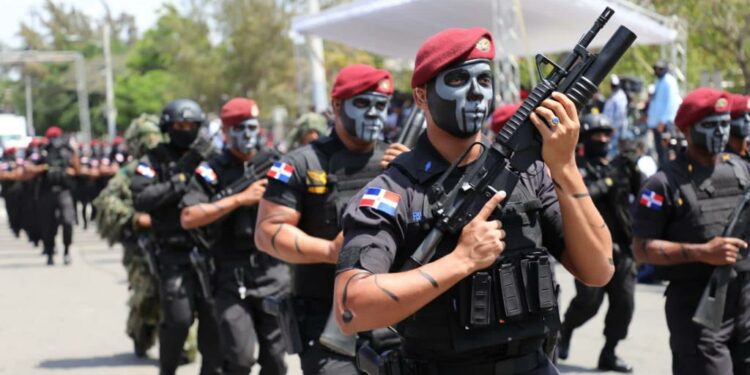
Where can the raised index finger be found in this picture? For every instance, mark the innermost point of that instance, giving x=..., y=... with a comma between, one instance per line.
x=490, y=206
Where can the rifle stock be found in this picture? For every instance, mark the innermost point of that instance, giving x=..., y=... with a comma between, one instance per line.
x=710, y=311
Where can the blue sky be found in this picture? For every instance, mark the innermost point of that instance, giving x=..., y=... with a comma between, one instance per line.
x=15, y=11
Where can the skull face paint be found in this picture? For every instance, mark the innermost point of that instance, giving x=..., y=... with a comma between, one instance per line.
x=741, y=126
x=243, y=137
x=461, y=97
x=364, y=115
x=712, y=133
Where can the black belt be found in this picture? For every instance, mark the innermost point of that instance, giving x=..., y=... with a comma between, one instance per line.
x=508, y=366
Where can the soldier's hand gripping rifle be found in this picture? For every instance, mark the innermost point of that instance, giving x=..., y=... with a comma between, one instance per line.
x=254, y=172
x=710, y=311
x=412, y=128
x=518, y=145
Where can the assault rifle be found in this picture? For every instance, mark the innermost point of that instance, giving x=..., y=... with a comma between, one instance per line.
x=261, y=163
x=710, y=311
x=518, y=145
x=412, y=128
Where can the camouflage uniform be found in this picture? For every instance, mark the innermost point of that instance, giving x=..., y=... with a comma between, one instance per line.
x=115, y=223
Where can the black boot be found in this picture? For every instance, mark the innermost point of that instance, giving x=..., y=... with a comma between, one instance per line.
x=563, y=347
x=608, y=360
x=66, y=256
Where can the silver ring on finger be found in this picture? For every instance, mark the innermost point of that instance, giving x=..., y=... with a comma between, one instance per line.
x=555, y=121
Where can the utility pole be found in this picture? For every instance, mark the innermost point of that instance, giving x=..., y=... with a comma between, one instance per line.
x=111, y=111
x=29, y=106
x=317, y=64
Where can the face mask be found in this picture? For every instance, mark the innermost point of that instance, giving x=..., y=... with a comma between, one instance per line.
x=460, y=98
x=595, y=149
x=740, y=127
x=363, y=116
x=243, y=137
x=182, y=139
x=711, y=134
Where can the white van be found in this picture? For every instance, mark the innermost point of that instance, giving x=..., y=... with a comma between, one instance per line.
x=13, y=132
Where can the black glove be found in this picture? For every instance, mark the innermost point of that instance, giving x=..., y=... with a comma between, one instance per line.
x=201, y=148
x=202, y=144
x=179, y=182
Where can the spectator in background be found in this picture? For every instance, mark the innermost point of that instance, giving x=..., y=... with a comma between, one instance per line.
x=663, y=107
x=616, y=109
x=308, y=128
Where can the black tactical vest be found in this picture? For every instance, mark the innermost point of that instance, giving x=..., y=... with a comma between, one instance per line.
x=58, y=155
x=166, y=220
x=512, y=302
x=334, y=176
x=232, y=237
x=702, y=207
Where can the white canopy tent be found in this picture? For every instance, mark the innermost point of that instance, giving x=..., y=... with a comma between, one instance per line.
x=396, y=28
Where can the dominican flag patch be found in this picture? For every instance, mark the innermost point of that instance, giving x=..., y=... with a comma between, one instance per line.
x=650, y=199
x=380, y=199
x=281, y=171
x=208, y=174
x=145, y=170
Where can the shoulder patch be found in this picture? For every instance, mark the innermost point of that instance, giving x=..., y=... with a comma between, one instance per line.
x=380, y=199
x=651, y=199
x=281, y=171
x=204, y=170
x=145, y=170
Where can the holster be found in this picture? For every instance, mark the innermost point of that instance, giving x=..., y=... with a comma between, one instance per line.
x=379, y=353
x=282, y=307
x=372, y=362
x=149, y=250
x=202, y=268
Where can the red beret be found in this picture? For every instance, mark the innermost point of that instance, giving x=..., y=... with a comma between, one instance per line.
x=53, y=131
x=450, y=46
x=740, y=105
x=237, y=110
x=699, y=104
x=501, y=115
x=358, y=78
x=9, y=151
x=117, y=140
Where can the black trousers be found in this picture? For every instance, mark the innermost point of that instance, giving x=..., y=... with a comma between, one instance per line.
x=244, y=324
x=620, y=292
x=181, y=302
x=55, y=208
x=698, y=350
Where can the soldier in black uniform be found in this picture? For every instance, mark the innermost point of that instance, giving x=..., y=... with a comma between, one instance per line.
x=158, y=185
x=12, y=189
x=299, y=214
x=611, y=184
x=30, y=187
x=443, y=332
x=739, y=126
x=55, y=202
x=244, y=275
x=678, y=224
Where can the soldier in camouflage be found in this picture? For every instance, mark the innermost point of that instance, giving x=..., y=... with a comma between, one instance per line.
x=117, y=221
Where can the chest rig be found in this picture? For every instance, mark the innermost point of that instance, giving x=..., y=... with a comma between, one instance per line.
x=703, y=204
x=334, y=174
x=509, y=305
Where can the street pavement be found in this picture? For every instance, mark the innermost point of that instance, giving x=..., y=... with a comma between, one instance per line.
x=71, y=319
